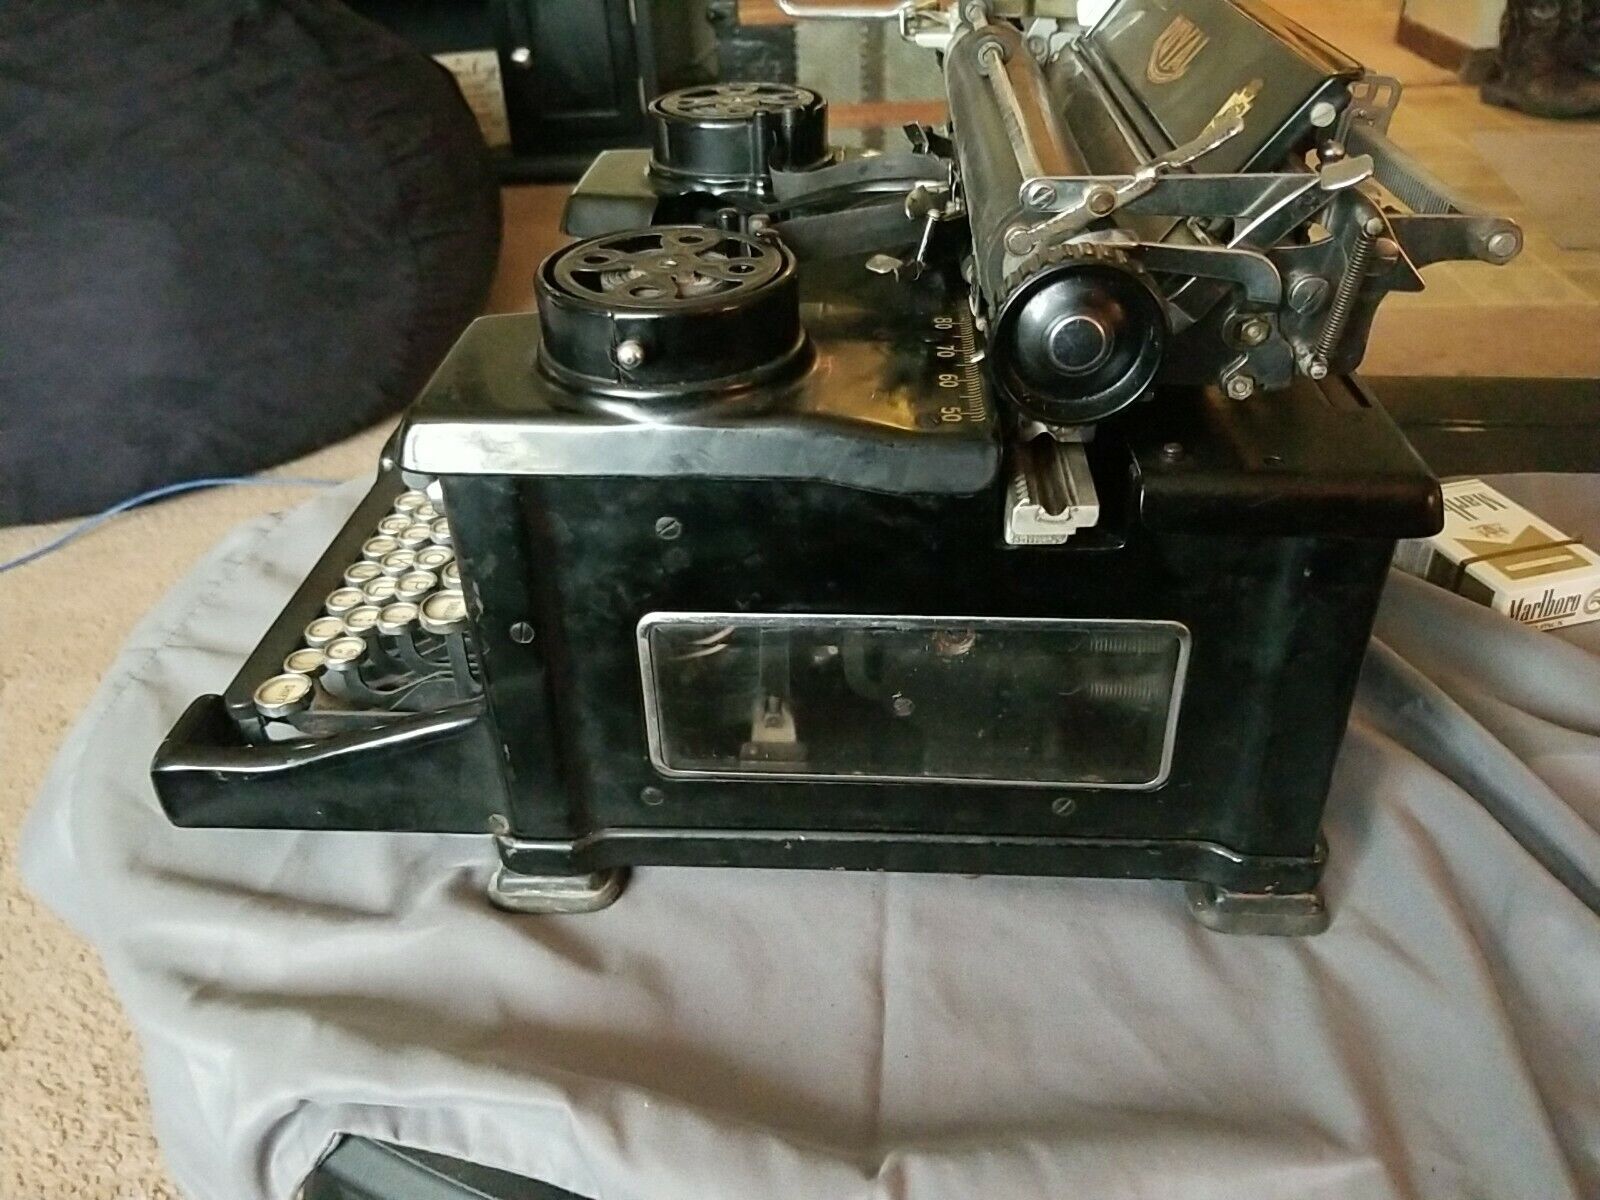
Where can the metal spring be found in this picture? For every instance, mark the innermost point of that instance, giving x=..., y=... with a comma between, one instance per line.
x=1344, y=298
x=1121, y=644
x=1127, y=691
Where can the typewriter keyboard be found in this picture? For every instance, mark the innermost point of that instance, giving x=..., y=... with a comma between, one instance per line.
x=392, y=638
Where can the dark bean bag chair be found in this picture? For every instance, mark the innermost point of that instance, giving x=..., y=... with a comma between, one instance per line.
x=231, y=231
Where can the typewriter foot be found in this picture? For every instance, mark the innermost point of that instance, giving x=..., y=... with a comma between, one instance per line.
x=1293, y=914
x=555, y=893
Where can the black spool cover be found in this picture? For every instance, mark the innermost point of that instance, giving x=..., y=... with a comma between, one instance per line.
x=668, y=312
x=1079, y=336
x=735, y=133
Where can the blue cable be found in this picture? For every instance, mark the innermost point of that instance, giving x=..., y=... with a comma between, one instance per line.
x=171, y=489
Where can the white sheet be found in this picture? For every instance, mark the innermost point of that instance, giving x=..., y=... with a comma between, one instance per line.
x=832, y=1035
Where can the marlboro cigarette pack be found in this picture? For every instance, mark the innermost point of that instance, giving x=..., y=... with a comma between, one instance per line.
x=1496, y=552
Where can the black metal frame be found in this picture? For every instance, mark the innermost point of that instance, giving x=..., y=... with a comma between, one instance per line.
x=1311, y=486
x=863, y=471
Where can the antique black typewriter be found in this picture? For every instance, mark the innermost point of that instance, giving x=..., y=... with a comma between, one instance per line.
x=1004, y=503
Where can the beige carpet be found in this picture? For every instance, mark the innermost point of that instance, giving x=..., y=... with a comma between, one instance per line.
x=73, y=1122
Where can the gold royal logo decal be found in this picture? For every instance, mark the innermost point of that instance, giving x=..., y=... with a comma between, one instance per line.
x=1238, y=104
x=1179, y=45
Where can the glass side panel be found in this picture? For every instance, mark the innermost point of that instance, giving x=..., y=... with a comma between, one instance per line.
x=971, y=699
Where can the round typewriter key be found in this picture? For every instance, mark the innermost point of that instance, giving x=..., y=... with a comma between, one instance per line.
x=409, y=502
x=395, y=523
x=396, y=618
x=441, y=532
x=378, y=591
x=376, y=548
x=323, y=630
x=433, y=558
x=451, y=576
x=344, y=653
x=444, y=612
x=416, y=585
x=358, y=573
x=342, y=600
x=415, y=537
x=283, y=695
x=398, y=563
x=359, y=620
x=306, y=661
x=428, y=513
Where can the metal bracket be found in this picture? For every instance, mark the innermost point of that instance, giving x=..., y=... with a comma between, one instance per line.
x=1253, y=271
x=1442, y=224
x=1268, y=223
x=1051, y=494
x=802, y=11
x=865, y=175
x=1106, y=194
x=1373, y=99
x=931, y=204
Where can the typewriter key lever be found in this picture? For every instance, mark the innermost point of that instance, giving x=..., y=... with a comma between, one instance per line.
x=1048, y=543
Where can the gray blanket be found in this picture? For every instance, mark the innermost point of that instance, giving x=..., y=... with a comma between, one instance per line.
x=794, y=1035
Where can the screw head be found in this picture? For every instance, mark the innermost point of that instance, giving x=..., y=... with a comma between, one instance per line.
x=522, y=633
x=1308, y=293
x=629, y=354
x=1241, y=387
x=1172, y=452
x=652, y=796
x=1254, y=331
x=1317, y=368
x=1504, y=244
x=669, y=529
x=1063, y=806
x=522, y=56
x=1100, y=200
x=1323, y=114
x=1019, y=239
x=903, y=706
x=1040, y=194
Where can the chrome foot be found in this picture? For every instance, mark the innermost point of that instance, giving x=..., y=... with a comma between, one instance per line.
x=555, y=893
x=1293, y=914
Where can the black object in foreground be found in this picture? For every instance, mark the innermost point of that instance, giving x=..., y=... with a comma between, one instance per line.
x=363, y=1169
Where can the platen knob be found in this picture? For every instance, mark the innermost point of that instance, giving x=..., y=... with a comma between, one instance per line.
x=1079, y=336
